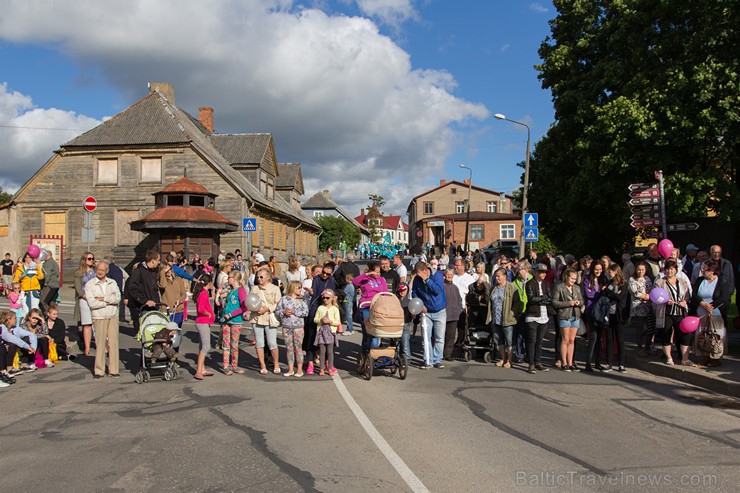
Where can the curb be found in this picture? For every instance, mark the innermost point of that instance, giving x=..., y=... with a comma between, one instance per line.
x=693, y=376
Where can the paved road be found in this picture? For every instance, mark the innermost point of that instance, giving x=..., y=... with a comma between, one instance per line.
x=469, y=427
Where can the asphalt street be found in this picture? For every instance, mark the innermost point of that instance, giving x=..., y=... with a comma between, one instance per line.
x=468, y=427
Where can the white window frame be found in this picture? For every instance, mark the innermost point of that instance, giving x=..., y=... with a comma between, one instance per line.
x=318, y=213
x=482, y=232
x=110, y=164
x=156, y=164
x=492, y=206
x=431, y=208
x=459, y=207
x=507, y=231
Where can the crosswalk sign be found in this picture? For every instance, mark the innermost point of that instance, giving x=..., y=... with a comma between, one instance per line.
x=531, y=234
x=249, y=225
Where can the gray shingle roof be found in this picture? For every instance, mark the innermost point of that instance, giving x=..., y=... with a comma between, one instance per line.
x=148, y=121
x=242, y=148
x=321, y=200
x=289, y=176
x=154, y=120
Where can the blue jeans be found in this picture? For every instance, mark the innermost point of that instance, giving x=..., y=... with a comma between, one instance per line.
x=349, y=305
x=433, y=336
x=503, y=336
x=367, y=341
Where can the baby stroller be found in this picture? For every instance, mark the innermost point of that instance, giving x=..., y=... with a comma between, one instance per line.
x=152, y=322
x=479, y=335
x=385, y=322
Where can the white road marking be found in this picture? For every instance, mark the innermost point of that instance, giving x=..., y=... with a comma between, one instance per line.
x=398, y=464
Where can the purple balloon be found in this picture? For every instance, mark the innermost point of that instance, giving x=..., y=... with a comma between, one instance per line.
x=689, y=325
x=659, y=296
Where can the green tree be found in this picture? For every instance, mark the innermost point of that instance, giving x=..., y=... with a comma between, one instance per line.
x=4, y=196
x=637, y=86
x=374, y=216
x=336, y=229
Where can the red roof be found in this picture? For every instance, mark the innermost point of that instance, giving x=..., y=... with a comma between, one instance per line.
x=185, y=214
x=185, y=185
x=389, y=222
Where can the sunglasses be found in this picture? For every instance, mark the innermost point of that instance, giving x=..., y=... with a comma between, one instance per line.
x=261, y=277
x=324, y=273
x=90, y=258
x=326, y=297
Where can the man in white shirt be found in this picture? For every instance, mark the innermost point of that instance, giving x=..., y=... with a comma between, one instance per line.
x=400, y=268
x=462, y=280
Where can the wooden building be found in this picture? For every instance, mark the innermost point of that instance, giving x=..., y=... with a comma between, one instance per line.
x=127, y=160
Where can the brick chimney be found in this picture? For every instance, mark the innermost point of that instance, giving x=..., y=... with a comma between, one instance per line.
x=442, y=182
x=205, y=117
x=466, y=181
x=362, y=211
x=163, y=88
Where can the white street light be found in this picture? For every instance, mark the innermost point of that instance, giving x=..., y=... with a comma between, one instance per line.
x=522, y=244
x=467, y=219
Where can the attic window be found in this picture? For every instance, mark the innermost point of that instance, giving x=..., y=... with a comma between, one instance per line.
x=453, y=191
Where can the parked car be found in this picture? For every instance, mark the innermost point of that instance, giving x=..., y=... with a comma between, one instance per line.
x=510, y=248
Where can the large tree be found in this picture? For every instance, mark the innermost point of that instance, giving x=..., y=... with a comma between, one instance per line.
x=637, y=86
x=4, y=196
x=336, y=229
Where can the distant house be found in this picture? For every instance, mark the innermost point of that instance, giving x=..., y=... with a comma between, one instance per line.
x=438, y=216
x=321, y=204
x=391, y=227
x=128, y=164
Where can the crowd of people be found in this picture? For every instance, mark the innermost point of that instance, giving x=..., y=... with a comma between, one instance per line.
x=517, y=300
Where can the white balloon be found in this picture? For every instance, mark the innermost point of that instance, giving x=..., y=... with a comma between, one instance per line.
x=415, y=306
x=254, y=303
x=176, y=339
x=43, y=255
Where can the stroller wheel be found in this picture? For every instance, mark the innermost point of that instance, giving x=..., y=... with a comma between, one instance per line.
x=403, y=367
x=467, y=355
x=174, y=374
x=360, y=363
x=168, y=375
x=369, y=367
x=139, y=378
x=146, y=376
x=487, y=357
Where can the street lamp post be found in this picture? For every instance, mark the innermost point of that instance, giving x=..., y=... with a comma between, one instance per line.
x=522, y=244
x=467, y=219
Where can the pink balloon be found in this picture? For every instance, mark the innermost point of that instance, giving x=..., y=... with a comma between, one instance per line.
x=689, y=325
x=659, y=296
x=665, y=248
x=34, y=250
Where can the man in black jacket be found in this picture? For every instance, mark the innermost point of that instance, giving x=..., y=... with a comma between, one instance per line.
x=391, y=277
x=142, y=290
x=343, y=275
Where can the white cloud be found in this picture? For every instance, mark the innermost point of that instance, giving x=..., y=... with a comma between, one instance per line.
x=390, y=12
x=504, y=48
x=29, y=135
x=537, y=7
x=331, y=89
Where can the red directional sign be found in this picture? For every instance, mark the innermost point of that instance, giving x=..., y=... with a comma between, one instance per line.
x=641, y=217
x=90, y=204
x=650, y=192
x=645, y=223
x=644, y=201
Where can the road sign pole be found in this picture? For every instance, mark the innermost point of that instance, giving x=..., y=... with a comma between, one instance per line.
x=659, y=176
x=88, y=226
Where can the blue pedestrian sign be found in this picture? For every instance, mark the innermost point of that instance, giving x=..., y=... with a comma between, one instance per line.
x=531, y=235
x=249, y=224
x=531, y=220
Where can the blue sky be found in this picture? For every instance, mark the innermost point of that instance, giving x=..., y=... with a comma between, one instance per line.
x=371, y=96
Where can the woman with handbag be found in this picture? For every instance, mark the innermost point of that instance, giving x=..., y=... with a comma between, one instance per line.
x=668, y=316
x=641, y=312
x=265, y=324
x=711, y=298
